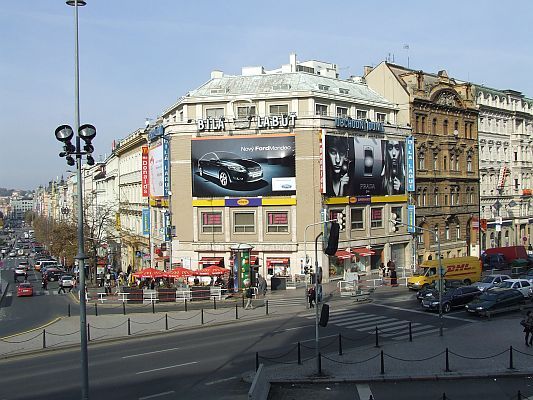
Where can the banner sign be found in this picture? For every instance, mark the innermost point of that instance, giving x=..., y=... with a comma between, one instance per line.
x=159, y=171
x=144, y=172
x=167, y=227
x=238, y=166
x=411, y=219
x=146, y=221
x=410, y=156
x=166, y=167
x=355, y=166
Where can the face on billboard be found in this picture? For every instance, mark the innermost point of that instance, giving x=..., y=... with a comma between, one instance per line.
x=243, y=166
x=356, y=166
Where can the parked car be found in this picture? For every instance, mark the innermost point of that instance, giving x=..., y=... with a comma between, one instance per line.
x=24, y=289
x=490, y=281
x=452, y=298
x=516, y=271
x=229, y=168
x=522, y=285
x=495, y=299
x=434, y=288
x=494, y=261
x=528, y=275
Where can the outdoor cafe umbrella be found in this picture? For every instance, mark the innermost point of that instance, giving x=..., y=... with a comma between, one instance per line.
x=179, y=272
x=149, y=273
x=211, y=270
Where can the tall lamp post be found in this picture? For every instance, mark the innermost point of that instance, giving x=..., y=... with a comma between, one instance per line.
x=64, y=134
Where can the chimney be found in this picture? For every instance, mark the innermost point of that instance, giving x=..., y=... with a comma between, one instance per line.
x=367, y=69
x=292, y=62
x=216, y=74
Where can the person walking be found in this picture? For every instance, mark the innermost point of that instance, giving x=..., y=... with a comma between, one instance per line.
x=528, y=329
x=61, y=288
x=311, y=296
x=45, y=282
x=249, y=296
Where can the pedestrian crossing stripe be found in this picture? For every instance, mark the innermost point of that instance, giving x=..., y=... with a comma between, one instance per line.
x=393, y=328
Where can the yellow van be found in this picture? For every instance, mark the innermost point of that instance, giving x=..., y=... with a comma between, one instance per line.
x=466, y=269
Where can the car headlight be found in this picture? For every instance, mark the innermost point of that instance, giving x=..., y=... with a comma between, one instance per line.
x=479, y=308
x=237, y=168
x=434, y=303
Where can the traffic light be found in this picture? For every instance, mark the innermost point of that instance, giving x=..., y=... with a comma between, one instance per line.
x=331, y=238
x=394, y=222
x=306, y=270
x=341, y=219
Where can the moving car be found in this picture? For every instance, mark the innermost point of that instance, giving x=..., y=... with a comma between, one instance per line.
x=12, y=254
x=452, y=298
x=466, y=269
x=43, y=264
x=434, y=288
x=21, y=270
x=66, y=281
x=24, y=289
x=229, y=168
x=495, y=299
x=53, y=274
x=522, y=285
x=490, y=281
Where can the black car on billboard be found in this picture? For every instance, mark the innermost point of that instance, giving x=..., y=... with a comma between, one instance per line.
x=229, y=168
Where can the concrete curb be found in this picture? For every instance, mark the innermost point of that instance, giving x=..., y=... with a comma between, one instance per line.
x=6, y=287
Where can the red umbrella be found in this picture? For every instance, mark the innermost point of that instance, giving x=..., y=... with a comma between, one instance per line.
x=212, y=270
x=179, y=272
x=149, y=273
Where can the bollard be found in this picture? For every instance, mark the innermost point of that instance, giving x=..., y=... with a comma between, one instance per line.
x=202, y=313
x=519, y=395
x=382, y=363
x=69, y=309
x=44, y=338
x=377, y=337
x=129, y=327
x=123, y=308
x=299, y=354
x=88, y=332
x=214, y=303
x=236, y=311
x=185, y=304
x=96, y=309
x=319, y=363
x=340, y=345
x=444, y=396
x=410, y=332
x=447, y=361
x=243, y=300
x=511, y=357
x=166, y=321
x=153, y=307
x=256, y=360
x=266, y=303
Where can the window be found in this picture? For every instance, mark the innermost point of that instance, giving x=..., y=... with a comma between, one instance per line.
x=333, y=214
x=277, y=221
x=417, y=124
x=434, y=126
x=380, y=117
x=515, y=156
x=458, y=231
x=211, y=222
x=436, y=197
x=245, y=111
x=357, y=218
x=376, y=217
x=445, y=127
x=445, y=163
x=244, y=222
x=456, y=128
x=321, y=109
x=323, y=87
x=435, y=162
x=447, y=232
x=279, y=109
x=424, y=197
x=423, y=126
x=421, y=161
x=344, y=91
x=516, y=184
x=398, y=212
x=214, y=113
x=342, y=112
x=457, y=162
x=361, y=114
x=471, y=199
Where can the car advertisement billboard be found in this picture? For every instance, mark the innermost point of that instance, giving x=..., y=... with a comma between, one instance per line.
x=158, y=160
x=355, y=166
x=259, y=165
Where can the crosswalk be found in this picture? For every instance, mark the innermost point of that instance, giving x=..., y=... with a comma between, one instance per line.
x=48, y=292
x=388, y=327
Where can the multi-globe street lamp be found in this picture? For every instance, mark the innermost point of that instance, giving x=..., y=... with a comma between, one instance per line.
x=73, y=154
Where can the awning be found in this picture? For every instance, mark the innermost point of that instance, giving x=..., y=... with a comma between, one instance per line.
x=278, y=261
x=363, y=252
x=343, y=254
x=207, y=261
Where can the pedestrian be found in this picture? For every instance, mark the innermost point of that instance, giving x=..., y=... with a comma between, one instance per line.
x=61, y=288
x=45, y=283
x=249, y=295
x=107, y=287
x=528, y=329
x=393, y=278
x=311, y=296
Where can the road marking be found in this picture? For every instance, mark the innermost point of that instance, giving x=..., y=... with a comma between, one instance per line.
x=423, y=312
x=39, y=328
x=312, y=340
x=153, y=396
x=292, y=329
x=163, y=368
x=221, y=380
x=151, y=352
x=364, y=392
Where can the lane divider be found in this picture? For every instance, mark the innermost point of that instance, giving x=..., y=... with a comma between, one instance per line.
x=33, y=329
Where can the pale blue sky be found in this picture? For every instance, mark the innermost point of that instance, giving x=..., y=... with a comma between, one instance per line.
x=138, y=56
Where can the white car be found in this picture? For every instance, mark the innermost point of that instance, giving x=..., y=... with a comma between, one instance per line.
x=522, y=285
x=490, y=281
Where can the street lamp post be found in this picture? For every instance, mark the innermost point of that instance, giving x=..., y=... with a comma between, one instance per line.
x=64, y=134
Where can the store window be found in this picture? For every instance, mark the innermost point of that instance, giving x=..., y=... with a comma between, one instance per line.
x=357, y=218
x=279, y=109
x=376, y=217
x=334, y=213
x=244, y=222
x=211, y=222
x=277, y=222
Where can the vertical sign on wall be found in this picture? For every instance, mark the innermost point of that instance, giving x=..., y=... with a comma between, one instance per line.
x=323, y=165
x=144, y=172
x=166, y=166
x=146, y=221
x=410, y=150
x=411, y=219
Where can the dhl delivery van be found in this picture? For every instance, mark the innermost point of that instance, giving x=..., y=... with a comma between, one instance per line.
x=466, y=269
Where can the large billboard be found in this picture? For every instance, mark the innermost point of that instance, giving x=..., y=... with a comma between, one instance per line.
x=158, y=161
x=355, y=166
x=262, y=165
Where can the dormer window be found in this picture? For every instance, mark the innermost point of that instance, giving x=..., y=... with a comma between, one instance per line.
x=323, y=87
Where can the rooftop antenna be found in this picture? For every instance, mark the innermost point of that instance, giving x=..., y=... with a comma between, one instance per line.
x=406, y=48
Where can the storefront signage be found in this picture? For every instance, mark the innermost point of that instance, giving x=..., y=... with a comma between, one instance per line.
x=246, y=202
x=144, y=172
x=156, y=132
x=146, y=221
x=276, y=121
x=166, y=167
x=359, y=124
x=211, y=124
x=411, y=219
x=410, y=155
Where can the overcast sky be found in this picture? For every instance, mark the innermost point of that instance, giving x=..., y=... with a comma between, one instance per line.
x=137, y=57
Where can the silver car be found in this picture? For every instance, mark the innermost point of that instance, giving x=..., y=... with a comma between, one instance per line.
x=490, y=281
